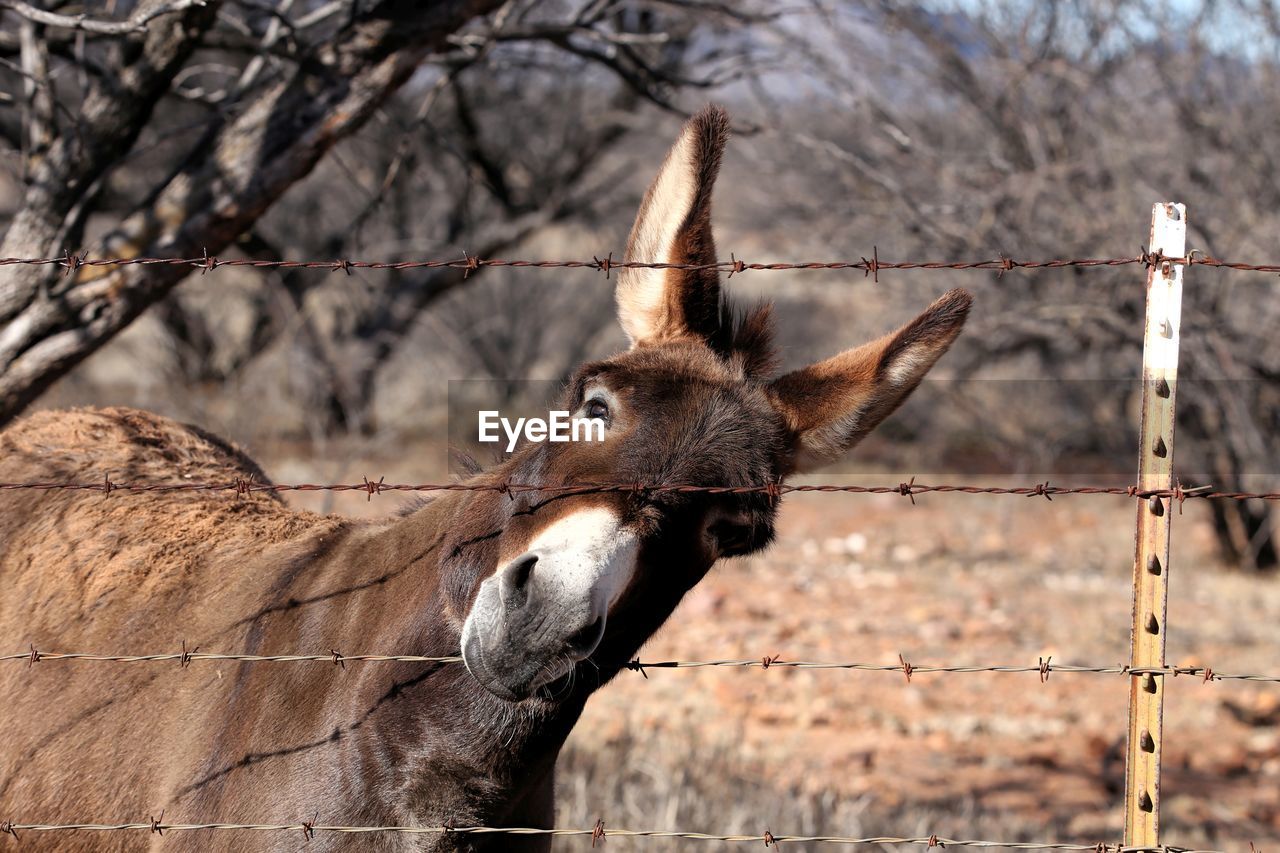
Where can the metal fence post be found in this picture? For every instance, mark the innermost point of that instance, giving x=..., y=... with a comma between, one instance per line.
x=1151, y=561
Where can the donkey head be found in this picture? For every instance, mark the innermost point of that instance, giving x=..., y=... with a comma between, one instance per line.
x=692, y=402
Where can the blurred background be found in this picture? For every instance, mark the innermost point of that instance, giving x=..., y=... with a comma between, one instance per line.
x=392, y=130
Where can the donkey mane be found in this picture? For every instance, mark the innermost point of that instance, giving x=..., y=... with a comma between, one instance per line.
x=744, y=338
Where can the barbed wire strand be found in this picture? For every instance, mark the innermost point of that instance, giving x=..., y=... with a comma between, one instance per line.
x=597, y=832
x=1043, y=667
x=909, y=489
x=872, y=266
x=868, y=266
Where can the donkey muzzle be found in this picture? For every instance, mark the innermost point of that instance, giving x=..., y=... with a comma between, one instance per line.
x=545, y=610
x=523, y=635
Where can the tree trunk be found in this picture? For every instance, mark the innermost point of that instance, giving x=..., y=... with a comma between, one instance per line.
x=56, y=317
x=1245, y=535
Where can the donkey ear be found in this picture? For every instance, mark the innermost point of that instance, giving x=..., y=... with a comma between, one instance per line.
x=674, y=227
x=832, y=405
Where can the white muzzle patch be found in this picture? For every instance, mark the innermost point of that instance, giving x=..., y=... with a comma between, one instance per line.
x=546, y=608
x=587, y=556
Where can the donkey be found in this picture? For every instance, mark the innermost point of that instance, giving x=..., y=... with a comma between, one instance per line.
x=544, y=595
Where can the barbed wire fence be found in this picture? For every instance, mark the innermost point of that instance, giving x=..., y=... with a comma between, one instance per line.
x=1044, y=667
x=908, y=489
x=1155, y=492
x=1150, y=258
x=597, y=833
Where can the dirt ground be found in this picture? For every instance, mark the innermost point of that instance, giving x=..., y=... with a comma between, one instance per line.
x=960, y=579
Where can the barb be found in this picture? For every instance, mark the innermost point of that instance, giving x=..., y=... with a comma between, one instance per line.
x=911, y=489
x=1042, y=667
x=595, y=833
x=604, y=262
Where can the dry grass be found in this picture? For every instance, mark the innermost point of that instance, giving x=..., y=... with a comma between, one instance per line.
x=631, y=785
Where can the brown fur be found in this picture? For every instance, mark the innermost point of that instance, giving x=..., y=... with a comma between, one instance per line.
x=372, y=743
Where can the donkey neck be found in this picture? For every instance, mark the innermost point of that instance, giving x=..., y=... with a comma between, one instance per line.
x=451, y=750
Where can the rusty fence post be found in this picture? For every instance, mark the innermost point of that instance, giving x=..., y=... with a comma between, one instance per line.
x=1151, y=560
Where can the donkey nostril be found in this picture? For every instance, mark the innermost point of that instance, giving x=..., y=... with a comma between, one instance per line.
x=521, y=569
x=515, y=579
x=584, y=642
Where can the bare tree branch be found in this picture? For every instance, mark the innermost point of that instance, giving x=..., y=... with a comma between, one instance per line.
x=138, y=23
x=215, y=195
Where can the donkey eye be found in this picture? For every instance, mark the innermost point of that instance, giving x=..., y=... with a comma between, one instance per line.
x=732, y=538
x=596, y=408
